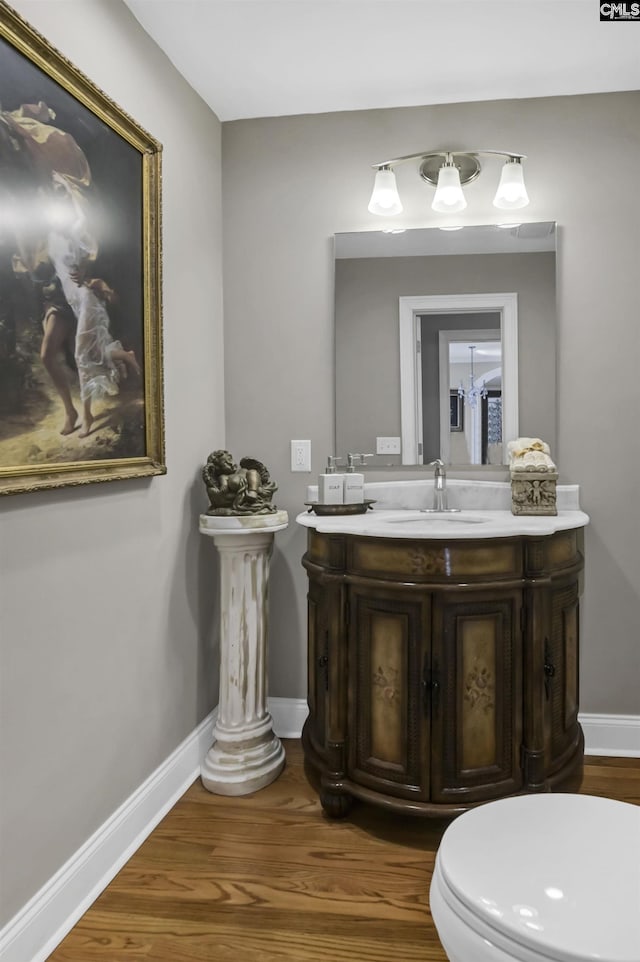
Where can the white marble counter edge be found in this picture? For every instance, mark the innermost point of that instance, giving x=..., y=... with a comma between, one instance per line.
x=495, y=524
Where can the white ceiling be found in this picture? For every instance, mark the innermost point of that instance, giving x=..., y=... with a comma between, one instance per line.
x=263, y=58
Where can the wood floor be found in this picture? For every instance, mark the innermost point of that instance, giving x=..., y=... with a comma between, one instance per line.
x=268, y=878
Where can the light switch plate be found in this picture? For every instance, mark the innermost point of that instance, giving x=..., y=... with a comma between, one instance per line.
x=301, y=456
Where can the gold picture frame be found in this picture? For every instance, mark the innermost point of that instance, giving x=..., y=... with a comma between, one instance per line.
x=81, y=384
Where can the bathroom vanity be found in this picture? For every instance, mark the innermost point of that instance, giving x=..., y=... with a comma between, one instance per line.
x=443, y=651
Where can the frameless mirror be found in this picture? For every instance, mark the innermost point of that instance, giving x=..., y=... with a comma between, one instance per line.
x=445, y=342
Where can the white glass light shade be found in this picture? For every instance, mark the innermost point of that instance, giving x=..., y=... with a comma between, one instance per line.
x=385, y=198
x=511, y=193
x=448, y=197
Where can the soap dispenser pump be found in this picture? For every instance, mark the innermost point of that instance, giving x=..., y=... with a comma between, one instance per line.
x=331, y=484
x=353, y=480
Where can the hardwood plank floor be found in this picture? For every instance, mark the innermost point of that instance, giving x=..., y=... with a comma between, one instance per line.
x=269, y=878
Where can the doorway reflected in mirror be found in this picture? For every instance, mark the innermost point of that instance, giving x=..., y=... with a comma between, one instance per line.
x=475, y=398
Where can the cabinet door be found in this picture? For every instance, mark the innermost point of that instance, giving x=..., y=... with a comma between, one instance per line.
x=388, y=731
x=562, y=732
x=476, y=692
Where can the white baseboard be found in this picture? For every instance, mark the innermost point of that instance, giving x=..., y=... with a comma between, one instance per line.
x=45, y=920
x=613, y=735
x=53, y=911
x=288, y=716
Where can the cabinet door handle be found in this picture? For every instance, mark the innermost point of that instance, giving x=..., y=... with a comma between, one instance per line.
x=549, y=669
x=322, y=663
x=426, y=696
x=426, y=686
x=435, y=696
x=430, y=690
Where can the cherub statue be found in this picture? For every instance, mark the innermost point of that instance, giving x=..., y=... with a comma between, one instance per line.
x=247, y=489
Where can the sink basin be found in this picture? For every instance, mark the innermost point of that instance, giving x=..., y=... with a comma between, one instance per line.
x=425, y=520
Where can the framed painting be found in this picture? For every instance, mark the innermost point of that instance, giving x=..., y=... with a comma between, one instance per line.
x=80, y=276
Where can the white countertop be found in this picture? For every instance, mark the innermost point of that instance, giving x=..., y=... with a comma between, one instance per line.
x=467, y=524
x=485, y=512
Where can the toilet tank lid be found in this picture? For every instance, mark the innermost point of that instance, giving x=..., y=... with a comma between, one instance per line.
x=559, y=874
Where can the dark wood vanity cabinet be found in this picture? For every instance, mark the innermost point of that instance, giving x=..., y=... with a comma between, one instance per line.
x=442, y=674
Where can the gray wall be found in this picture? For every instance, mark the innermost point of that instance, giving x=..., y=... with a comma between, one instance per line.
x=107, y=618
x=368, y=348
x=290, y=183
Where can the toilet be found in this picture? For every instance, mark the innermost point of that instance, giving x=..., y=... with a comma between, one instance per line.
x=540, y=878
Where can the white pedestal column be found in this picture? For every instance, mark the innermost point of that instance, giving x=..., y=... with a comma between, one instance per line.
x=246, y=754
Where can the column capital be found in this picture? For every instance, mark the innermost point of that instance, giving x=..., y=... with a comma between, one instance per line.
x=243, y=524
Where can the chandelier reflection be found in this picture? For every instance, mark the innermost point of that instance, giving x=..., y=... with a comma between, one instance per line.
x=475, y=391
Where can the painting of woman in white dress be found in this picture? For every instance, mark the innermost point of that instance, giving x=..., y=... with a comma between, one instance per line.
x=79, y=317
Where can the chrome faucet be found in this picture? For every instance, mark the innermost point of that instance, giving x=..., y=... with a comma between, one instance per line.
x=440, y=502
x=439, y=485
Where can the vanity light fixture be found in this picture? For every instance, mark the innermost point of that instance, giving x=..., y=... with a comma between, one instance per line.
x=448, y=171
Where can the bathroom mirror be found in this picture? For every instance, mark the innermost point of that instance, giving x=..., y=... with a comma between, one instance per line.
x=445, y=342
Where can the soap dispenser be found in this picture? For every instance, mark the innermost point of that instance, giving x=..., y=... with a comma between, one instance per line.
x=331, y=484
x=353, y=480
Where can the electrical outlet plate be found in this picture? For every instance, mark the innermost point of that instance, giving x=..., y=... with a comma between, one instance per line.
x=301, y=456
x=388, y=446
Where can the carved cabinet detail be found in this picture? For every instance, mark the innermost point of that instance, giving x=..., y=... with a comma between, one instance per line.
x=442, y=675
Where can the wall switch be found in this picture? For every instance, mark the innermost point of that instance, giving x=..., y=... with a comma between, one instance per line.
x=301, y=456
x=388, y=446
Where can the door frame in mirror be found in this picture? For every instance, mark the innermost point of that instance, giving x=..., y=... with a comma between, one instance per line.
x=446, y=339
x=410, y=309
